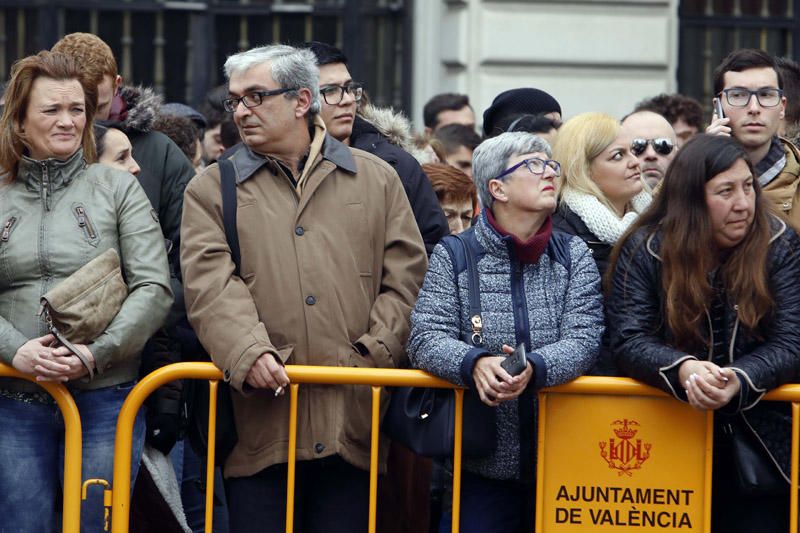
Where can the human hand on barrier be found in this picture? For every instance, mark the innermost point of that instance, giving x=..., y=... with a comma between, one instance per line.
x=494, y=384
x=719, y=126
x=708, y=386
x=76, y=369
x=36, y=357
x=268, y=373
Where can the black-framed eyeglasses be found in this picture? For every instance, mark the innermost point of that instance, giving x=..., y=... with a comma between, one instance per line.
x=253, y=99
x=334, y=94
x=535, y=166
x=740, y=96
x=662, y=146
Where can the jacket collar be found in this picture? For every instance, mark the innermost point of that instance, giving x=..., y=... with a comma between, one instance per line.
x=55, y=172
x=247, y=162
x=492, y=241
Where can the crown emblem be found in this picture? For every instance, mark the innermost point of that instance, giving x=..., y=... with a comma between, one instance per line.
x=623, y=453
x=624, y=429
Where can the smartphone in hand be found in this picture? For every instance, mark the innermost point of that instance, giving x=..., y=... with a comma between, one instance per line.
x=516, y=363
x=718, y=108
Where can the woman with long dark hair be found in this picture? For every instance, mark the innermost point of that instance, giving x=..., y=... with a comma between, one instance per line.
x=704, y=303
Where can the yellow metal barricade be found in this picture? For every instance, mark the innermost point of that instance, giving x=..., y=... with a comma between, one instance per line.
x=71, y=519
x=374, y=377
x=594, y=386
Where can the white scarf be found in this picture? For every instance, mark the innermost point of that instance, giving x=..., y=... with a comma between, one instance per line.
x=601, y=221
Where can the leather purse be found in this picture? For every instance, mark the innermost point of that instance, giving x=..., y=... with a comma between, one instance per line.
x=423, y=419
x=81, y=307
x=756, y=473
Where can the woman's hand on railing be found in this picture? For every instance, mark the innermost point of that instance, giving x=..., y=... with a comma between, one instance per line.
x=494, y=384
x=36, y=357
x=708, y=386
x=76, y=367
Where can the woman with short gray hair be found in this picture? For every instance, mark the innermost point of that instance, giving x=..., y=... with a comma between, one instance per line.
x=539, y=290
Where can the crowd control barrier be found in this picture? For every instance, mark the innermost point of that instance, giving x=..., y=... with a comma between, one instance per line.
x=71, y=511
x=632, y=458
x=625, y=456
x=298, y=375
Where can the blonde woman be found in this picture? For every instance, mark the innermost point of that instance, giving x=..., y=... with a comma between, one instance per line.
x=601, y=190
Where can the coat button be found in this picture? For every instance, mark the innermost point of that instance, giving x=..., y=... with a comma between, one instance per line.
x=299, y=231
x=227, y=375
x=310, y=300
x=319, y=447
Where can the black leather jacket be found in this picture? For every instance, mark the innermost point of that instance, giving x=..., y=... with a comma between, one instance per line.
x=641, y=341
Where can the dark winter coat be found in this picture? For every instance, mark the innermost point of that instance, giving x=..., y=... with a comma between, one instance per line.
x=566, y=220
x=165, y=172
x=368, y=137
x=642, y=343
x=165, y=169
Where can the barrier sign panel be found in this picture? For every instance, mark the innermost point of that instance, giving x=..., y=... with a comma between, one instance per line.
x=622, y=463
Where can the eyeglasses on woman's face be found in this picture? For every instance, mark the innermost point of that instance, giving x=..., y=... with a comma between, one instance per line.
x=535, y=166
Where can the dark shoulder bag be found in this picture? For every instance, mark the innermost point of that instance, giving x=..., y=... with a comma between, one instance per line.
x=423, y=419
x=227, y=436
x=756, y=473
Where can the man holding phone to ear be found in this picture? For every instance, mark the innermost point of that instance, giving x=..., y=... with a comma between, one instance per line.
x=749, y=93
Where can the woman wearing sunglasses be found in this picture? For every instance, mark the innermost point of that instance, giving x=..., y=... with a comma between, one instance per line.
x=704, y=304
x=601, y=191
x=539, y=290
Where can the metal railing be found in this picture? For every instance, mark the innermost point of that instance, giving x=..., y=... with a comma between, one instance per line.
x=298, y=375
x=627, y=386
x=71, y=517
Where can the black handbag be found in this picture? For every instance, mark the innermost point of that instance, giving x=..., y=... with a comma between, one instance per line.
x=423, y=419
x=756, y=473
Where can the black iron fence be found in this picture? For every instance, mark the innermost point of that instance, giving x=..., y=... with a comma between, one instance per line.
x=179, y=46
x=710, y=29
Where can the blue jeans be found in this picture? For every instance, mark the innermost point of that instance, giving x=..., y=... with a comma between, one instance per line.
x=193, y=492
x=32, y=458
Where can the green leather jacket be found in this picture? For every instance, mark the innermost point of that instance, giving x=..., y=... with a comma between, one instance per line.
x=55, y=217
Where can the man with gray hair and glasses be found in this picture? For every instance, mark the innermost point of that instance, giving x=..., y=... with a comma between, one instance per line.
x=749, y=94
x=330, y=265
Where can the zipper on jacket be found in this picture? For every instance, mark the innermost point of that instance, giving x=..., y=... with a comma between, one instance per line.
x=84, y=222
x=45, y=187
x=7, y=229
x=710, y=336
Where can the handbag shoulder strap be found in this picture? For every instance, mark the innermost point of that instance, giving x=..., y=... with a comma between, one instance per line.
x=473, y=284
x=228, y=184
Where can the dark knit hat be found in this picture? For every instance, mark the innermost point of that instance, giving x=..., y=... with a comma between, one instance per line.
x=183, y=110
x=526, y=100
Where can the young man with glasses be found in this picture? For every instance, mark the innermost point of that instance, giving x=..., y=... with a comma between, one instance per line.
x=749, y=88
x=653, y=144
x=380, y=132
x=330, y=266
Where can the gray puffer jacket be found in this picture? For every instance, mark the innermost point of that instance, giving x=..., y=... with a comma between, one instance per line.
x=57, y=216
x=554, y=306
